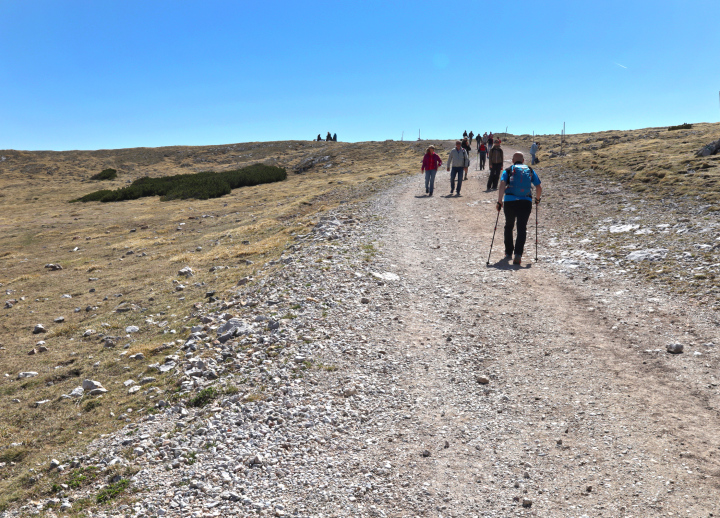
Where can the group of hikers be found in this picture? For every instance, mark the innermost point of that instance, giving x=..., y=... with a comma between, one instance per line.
x=328, y=137
x=514, y=184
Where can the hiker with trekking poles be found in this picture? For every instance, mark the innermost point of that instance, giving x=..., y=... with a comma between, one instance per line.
x=458, y=160
x=430, y=165
x=515, y=198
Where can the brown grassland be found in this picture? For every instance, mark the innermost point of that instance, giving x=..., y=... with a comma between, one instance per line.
x=130, y=252
x=650, y=160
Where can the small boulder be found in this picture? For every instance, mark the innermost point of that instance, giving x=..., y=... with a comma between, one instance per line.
x=675, y=348
x=77, y=392
x=186, y=272
x=132, y=329
x=53, y=267
x=39, y=328
x=91, y=385
x=28, y=374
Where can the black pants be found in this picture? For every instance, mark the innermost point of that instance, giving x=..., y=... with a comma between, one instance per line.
x=459, y=171
x=483, y=156
x=516, y=210
x=494, y=178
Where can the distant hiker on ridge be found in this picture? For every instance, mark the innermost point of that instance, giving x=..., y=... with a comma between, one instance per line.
x=328, y=137
x=478, y=139
x=533, y=151
x=334, y=137
x=496, y=163
x=430, y=164
x=465, y=133
x=470, y=135
x=459, y=160
x=319, y=137
x=515, y=197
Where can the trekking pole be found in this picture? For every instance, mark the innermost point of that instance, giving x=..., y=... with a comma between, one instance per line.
x=537, y=209
x=493, y=238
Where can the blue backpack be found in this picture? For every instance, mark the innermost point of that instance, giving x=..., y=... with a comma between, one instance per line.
x=519, y=182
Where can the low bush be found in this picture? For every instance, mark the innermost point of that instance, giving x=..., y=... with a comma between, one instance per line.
x=203, y=397
x=684, y=125
x=201, y=186
x=105, y=174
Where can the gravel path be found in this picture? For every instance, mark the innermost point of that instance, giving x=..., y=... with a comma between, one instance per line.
x=410, y=379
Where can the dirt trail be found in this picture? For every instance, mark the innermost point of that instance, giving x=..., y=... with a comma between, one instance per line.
x=573, y=418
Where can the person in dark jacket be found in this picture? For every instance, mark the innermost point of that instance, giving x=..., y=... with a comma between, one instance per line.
x=334, y=137
x=496, y=163
x=328, y=137
x=319, y=137
x=466, y=146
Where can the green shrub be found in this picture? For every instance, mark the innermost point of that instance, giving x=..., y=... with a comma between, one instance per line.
x=199, y=186
x=204, y=397
x=112, y=490
x=105, y=174
x=684, y=125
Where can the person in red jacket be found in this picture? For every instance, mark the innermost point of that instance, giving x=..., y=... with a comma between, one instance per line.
x=430, y=165
x=482, y=151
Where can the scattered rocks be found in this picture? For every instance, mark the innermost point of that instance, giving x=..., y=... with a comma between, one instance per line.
x=652, y=254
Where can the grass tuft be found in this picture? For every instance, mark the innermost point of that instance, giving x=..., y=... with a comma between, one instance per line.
x=112, y=491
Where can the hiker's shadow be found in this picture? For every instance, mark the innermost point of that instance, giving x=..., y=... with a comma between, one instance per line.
x=423, y=196
x=504, y=264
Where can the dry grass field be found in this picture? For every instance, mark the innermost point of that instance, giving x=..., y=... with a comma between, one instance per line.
x=126, y=256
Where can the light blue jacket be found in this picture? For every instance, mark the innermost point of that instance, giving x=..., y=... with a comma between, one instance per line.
x=533, y=148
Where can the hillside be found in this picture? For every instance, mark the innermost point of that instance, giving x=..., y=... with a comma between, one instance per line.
x=302, y=255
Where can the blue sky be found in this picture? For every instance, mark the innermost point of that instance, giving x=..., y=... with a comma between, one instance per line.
x=111, y=74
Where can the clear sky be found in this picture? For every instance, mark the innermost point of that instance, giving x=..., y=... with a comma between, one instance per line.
x=109, y=74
